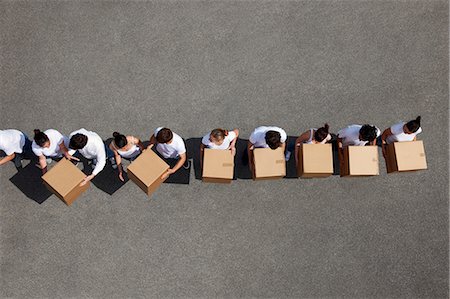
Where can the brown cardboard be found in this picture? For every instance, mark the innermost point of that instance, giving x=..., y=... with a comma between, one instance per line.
x=315, y=160
x=64, y=180
x=360, y=161
x=405, y=156
x=268, y=163
x=218, y=166
x=146, y=171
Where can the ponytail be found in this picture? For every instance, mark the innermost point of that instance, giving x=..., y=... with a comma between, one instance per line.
x=40, y=137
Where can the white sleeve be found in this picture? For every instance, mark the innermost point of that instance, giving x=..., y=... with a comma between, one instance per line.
x=101, y=159
x=59, y=137
x=419, y=130
x=253, y=137
x=397, y=129
x=181, y=148
x=342, y=133
x=36, y=150
x=231, y=135
x=283, y=136
x=205, y=140
x=378, y=132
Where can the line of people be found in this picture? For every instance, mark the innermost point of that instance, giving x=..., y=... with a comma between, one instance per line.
x=51, y=145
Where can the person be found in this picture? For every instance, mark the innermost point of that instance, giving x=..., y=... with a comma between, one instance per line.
x=127, y=147
x=220, y=139
x=16, y=145
x=266, y=137
x=171, y=146
x=357, y=135
x=91, y=146
x=313, y=136
x=402, y=131
x=49, y=145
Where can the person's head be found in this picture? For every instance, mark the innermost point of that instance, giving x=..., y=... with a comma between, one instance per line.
x=368, y=133
x=78, y=141
x=120, y=140
x=217, y=136
x=273, y=139
x=41, y=138
x=164, y=135
x=322, y=133
x=412, y=126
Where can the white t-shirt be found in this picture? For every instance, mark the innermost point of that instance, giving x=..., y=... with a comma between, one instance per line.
x=398, y=135
x=53, y=150
x=172, y=150
x=94, y=149
x=11, y=141
x=225, y=144
x=350, y=135
x=258, y=137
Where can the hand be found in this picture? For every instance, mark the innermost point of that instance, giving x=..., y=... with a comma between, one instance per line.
x=167, y=173
x=70, y=157
x=121, y=177
x=150, y=146
x=233, y=151
x=86, y=179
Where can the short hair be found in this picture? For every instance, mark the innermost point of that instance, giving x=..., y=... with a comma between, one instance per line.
x=40, y=137
x=273, y=139
x=120, y=140
x=164, y=135
x=78, y=141
x=413, y=125
x=322, y=133
x=368, y=133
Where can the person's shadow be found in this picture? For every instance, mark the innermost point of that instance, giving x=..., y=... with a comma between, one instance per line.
x=29, y=181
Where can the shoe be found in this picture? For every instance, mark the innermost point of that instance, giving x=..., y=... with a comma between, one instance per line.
x=288, y=156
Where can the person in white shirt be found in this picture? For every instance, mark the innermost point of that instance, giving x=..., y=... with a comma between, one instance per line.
x=357, y=135
x=127, y=147
x=220, y=139
x=263, y=137
x=49, y=145
x=16, y=145
x=171, y=146
x=313, y=136
x=91, y=146
x=402, y=131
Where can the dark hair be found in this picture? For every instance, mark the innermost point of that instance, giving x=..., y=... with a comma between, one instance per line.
x=120, y=140
x=368, y=133
x=78, y=141
x=321, y=133
x=413, y=125
x=273, y=139
x=40, y=137
x=219, y=133
x=164, y=135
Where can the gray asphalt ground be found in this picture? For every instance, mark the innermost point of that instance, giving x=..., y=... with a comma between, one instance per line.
x=194, y=66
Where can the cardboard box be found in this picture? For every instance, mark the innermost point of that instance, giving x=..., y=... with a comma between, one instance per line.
x=360, y=161
x=64, y=180
x=405, y=156
x=268, y=163
x=146, y=171
x=218, y=166
x=315, y=160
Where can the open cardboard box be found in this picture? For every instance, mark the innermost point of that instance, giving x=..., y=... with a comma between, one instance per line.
x=64, y=180
x=218, y=166
x=146, y=171
x=268, y=163
x=405, y=156
x=360, y=161
x=315, y=160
